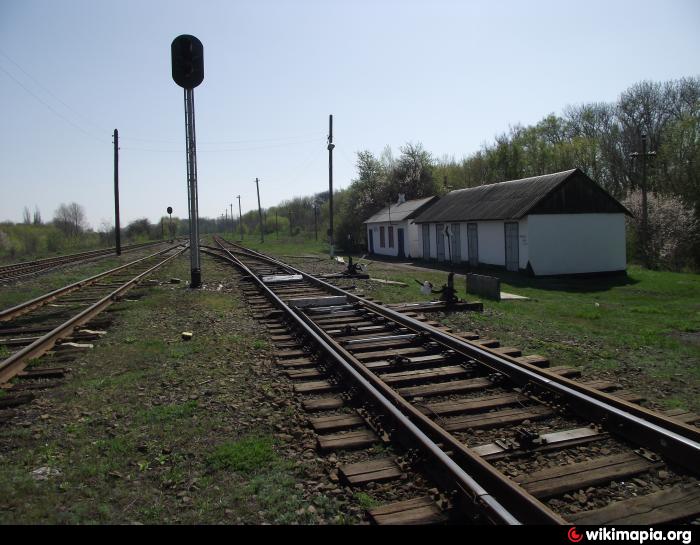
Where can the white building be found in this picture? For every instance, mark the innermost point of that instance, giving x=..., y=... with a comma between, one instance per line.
x=391, y=231
x=562, y=223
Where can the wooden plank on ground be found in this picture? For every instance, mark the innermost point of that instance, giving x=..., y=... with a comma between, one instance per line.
x=416, y=511
x=351, y=440
x=663, y=507
x=488, y=343
x=383, y=354
x=315, y=387
x=446, y=388
x=304, y=374
x=534, y=359
x=323, y=403
x=414, y=362
x=475, y=404
x=682, y=415
x=508, y=351
x=414, y=376
x=290, y=353
x=495, y=419
x=336, y=422
x=383, y=469
x=565, y=371
x=559, y=480
x=602, y=385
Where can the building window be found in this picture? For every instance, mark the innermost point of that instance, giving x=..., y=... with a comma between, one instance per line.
x=391, y=237
x=381, y=237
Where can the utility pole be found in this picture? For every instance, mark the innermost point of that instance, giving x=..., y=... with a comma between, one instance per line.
x=257, y=186
x=331, y=145
x=644, y=241
x=117, y=233
x=240, y=217
x=316, y=220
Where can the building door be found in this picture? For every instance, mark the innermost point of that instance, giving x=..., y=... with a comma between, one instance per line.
x=512, y=250
x=426, y=241
x=440, y=241
x=473, y=244
x=399, y=234
x=456, y=241
x=371, y=240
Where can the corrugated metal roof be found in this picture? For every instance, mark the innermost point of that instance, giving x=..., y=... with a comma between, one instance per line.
x=400, y=212
x=504, y=200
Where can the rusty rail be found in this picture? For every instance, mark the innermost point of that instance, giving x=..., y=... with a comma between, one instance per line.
x=476, y=481
x=677, y=441
x=19, y=360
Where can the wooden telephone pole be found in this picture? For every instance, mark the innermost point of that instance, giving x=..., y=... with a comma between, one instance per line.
x=117, y=230
x=262, y=235
x=644, y=240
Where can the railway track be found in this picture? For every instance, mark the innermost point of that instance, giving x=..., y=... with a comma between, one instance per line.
x=27, y=269
x=61, y=322
x=503, y=436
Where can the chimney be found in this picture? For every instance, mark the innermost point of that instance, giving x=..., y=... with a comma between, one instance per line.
x=402, y=198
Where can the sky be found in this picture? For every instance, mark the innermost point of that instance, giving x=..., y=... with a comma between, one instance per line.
x=448, y=74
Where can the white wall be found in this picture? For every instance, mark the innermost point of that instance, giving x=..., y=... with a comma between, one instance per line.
x=492, y=242
x=394, y=252
x=524, y=243
x=576, y=243
x=414, y=243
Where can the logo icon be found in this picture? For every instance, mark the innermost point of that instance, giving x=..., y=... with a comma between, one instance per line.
x=573, y=535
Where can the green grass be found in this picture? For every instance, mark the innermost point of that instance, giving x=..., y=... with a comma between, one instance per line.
x=166, y=413
x=246, y=455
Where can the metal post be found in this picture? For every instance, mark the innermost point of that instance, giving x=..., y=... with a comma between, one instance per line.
x=191, y=144
x=257, y=186
x=330, y=181
x=240, y=217
x=233, y=225
x=170, y=228
x=117, y=233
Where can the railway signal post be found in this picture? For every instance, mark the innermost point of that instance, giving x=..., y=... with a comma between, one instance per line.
x=187, y=55
x=170, y=225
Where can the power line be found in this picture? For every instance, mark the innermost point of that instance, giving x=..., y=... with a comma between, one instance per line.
x=222, y=142
x=221, y=150
x=58, y=114
x=48, y=91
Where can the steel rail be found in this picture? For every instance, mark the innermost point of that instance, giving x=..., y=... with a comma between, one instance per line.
x=677, y=441
x=69, y=258
x=18, y=361
x=503, y=500
x=18, y=310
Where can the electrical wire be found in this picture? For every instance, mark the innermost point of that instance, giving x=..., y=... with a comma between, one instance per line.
x=52, y=109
